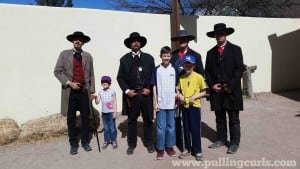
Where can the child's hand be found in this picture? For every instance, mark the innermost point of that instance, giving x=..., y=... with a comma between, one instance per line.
x=191, y=100
x=115, y=115
x=156, y=107
x=181, y=99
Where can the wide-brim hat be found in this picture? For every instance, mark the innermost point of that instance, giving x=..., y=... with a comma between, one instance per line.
x=183, y=34
x=220, y=27
x=78, y=34
x=135, y=36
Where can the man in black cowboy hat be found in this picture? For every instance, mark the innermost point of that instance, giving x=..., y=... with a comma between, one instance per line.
x=183, y=39
x=134, y=79
x=224, y=69
x=74, y=69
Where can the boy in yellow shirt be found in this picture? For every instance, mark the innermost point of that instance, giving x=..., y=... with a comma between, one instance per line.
x=191, y=87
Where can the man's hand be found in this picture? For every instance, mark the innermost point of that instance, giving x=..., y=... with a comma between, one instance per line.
x=217, y=87
x=74, y=85
x=227, y=89
x=131, y=93
x=93, y=96
x=146, y=91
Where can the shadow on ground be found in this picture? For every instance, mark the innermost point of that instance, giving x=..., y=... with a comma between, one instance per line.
x=206, y=131
x=140, y=132
x=293, y=94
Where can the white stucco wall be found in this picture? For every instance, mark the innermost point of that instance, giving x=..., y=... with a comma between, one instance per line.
x=32, y=38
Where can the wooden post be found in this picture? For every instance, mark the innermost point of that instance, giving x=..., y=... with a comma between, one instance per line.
x=247, y=80
x=174, y=23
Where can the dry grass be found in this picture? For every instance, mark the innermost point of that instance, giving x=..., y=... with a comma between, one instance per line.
x=9, y=131
x=43, y=128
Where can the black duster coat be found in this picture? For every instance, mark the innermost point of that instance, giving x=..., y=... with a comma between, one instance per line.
x=123, y=77
x=231, y=65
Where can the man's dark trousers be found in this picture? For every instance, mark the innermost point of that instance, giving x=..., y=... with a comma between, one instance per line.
x=234, y=126
x=140, y=103
x=78, y=100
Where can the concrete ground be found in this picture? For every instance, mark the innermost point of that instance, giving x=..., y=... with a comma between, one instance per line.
x=270, y=126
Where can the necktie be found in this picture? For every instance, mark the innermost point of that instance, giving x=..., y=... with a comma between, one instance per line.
x=181, y=54
x=220, y=50
x=136, y=57
x=77, y=56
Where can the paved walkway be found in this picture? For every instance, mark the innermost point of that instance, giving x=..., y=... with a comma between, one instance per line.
x=270, y=128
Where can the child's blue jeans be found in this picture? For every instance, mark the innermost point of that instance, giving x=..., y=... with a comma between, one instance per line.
x=165, y=129
x=110, y=130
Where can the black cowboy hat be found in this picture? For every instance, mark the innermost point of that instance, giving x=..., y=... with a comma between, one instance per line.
x=78, y=34
x=220, y=27
x=135, y=36
x=183, y=34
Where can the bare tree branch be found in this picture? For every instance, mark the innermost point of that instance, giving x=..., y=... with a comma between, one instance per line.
x=57, y=3
x=259, y=8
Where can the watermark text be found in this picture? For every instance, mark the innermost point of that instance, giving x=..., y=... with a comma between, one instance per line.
x=226, y=162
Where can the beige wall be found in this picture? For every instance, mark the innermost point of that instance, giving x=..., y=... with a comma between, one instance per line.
x=285, y=61
x=32, y=38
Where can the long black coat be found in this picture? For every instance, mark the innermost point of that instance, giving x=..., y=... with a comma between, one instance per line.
x=231, y=63
x=123, y=77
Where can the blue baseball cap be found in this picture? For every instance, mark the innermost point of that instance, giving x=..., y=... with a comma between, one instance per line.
x=105, y=79
x=189, y=58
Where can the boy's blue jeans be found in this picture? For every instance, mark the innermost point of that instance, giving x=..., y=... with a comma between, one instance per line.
x=191, y=119
x=165, y=129
x=110, y=130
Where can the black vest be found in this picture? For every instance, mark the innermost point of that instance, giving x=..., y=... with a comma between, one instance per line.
x=136, y=79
